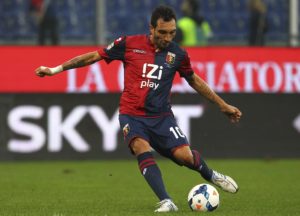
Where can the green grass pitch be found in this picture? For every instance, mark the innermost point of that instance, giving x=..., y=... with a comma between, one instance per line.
x=107, y=188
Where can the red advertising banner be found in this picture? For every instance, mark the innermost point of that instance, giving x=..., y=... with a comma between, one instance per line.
x=225, y=69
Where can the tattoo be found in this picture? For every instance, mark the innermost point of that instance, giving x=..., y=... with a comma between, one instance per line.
x=80, y=61
x=74, y=63
x=206, y=91
x=202, y=88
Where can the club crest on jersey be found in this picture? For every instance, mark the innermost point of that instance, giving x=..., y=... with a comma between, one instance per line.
x=126, y=130
x=170, y=59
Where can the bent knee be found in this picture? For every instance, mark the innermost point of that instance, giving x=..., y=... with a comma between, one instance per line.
x=184, y=157
x=139, y=146
x=187, y=160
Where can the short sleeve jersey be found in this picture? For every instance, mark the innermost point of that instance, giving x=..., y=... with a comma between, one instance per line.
x=148, y=74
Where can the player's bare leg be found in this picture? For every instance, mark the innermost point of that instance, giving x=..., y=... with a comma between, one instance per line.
x=152, y=174
x=191, y=159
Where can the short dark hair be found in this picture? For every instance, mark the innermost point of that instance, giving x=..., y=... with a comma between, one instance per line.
x=164, y=12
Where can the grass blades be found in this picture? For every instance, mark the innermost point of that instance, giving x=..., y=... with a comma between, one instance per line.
x=108, y=188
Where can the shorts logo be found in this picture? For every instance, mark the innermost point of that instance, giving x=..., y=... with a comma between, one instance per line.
x=126, y=130
x=170, y=59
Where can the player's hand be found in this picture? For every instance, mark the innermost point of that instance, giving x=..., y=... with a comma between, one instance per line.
x=232, y=112
x=43, y=71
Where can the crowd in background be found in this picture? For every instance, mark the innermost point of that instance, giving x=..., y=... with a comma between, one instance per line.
x=200, y=22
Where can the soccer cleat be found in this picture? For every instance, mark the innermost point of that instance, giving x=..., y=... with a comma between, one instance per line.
x=166, y=205
x=224, y=182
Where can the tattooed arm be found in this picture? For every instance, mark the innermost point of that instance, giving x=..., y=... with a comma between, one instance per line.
x=203, y=89
x=78, y=61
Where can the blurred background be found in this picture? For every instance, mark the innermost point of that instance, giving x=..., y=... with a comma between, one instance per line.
x=62, y=151
x=91, y=22
x=246, y=50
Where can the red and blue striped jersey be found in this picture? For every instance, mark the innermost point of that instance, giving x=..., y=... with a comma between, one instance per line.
x=148, y=75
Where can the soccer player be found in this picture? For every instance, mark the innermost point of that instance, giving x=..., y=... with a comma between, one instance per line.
x=150, y=63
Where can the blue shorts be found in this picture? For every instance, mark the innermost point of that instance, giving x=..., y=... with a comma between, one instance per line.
x=162, y=133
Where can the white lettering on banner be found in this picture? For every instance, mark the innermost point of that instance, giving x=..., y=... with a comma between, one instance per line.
x=58, y=128
x=296, y=123
x=292, y=77
x=71, y=81
x=263, y=73
x=210, y=68
x=228, y=76
x=268, y=77
x=17, y=124
x=248, y=68
x=94, y=77
x=243, y=76
x=109, y=128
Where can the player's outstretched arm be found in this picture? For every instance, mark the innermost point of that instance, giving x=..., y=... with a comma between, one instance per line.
x=202, y=88
x=78, y=61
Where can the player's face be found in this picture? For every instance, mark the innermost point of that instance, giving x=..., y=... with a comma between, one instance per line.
x=163, y=33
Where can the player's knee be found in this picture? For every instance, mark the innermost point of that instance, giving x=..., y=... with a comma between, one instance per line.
x=188, y=160
x=139, y=146
x=184, y=157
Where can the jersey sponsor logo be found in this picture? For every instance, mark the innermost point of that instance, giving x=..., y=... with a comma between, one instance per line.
x=152, y=72
x=149, y=84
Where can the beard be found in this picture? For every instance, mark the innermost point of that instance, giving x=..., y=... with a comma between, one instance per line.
x=159, y=43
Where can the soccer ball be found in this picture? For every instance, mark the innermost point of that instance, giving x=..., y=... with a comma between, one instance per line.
x=203, y=197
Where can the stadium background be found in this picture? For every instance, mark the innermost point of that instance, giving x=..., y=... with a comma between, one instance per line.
x=263, y=81
x=61, y=150
x=98, y=22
